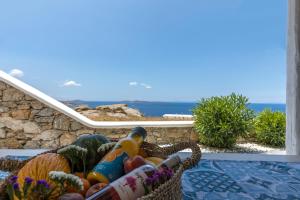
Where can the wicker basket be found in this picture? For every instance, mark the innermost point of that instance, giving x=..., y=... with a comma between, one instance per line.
x=169, y=190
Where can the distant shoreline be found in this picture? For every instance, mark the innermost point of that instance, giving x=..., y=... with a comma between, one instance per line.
x=145, y=101
x=158, y=109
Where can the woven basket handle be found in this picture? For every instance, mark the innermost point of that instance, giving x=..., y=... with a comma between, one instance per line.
x=191, y=161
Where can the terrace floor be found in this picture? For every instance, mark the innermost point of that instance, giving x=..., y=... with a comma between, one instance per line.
x=243, y=177
x=232, y=176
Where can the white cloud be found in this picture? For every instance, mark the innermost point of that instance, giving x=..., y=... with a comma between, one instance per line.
x=71, y=84
x=146, y=86
x=133, y=83
x=16, y=73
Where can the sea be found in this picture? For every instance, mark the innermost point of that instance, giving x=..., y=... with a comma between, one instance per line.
x=155, y=109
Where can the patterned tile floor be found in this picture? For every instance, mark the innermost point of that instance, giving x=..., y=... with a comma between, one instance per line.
x=242, y=180
x=236, y=180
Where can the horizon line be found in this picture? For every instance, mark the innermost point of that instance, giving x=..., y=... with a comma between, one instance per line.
x=154, y=101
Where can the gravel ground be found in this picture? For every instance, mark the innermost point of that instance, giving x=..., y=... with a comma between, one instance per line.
x=244, y=148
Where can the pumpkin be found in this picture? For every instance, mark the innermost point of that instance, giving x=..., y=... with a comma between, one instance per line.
x=91, y=143
x=39, y=167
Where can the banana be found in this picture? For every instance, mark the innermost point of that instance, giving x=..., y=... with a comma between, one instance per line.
x=155, y=160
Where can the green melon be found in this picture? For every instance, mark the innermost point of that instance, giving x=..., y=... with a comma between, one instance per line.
x=91, y=143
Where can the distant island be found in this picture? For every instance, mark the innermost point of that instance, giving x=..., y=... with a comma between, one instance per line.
x=119, y=112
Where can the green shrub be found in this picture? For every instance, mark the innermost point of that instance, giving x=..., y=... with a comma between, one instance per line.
x=221, y=120
x=270, y=128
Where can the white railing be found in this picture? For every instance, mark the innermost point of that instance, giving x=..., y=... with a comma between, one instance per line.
x=53, y=103
x=177, y=116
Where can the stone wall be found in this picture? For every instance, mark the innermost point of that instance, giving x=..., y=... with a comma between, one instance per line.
x=28, y=123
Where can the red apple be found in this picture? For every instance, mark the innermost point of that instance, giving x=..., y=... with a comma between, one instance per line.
x=132, y=163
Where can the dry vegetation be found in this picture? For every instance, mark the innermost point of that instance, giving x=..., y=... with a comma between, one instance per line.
x=110, y=118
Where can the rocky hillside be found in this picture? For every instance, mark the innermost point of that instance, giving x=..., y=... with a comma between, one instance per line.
x=115, y=110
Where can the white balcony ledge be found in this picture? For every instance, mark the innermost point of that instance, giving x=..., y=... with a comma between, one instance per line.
x=53, y=103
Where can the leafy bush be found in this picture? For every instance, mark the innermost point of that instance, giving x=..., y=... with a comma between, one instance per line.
x=221, y=120
x=270, y=128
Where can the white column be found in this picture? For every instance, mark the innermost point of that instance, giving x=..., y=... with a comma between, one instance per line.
x=293, y=79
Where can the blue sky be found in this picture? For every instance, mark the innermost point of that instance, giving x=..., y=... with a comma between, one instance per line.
x=171, y=50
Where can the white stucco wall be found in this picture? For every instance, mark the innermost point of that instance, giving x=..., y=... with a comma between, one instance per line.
x=293, y=80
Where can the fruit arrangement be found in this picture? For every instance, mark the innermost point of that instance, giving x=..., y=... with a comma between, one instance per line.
x=93, y=168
